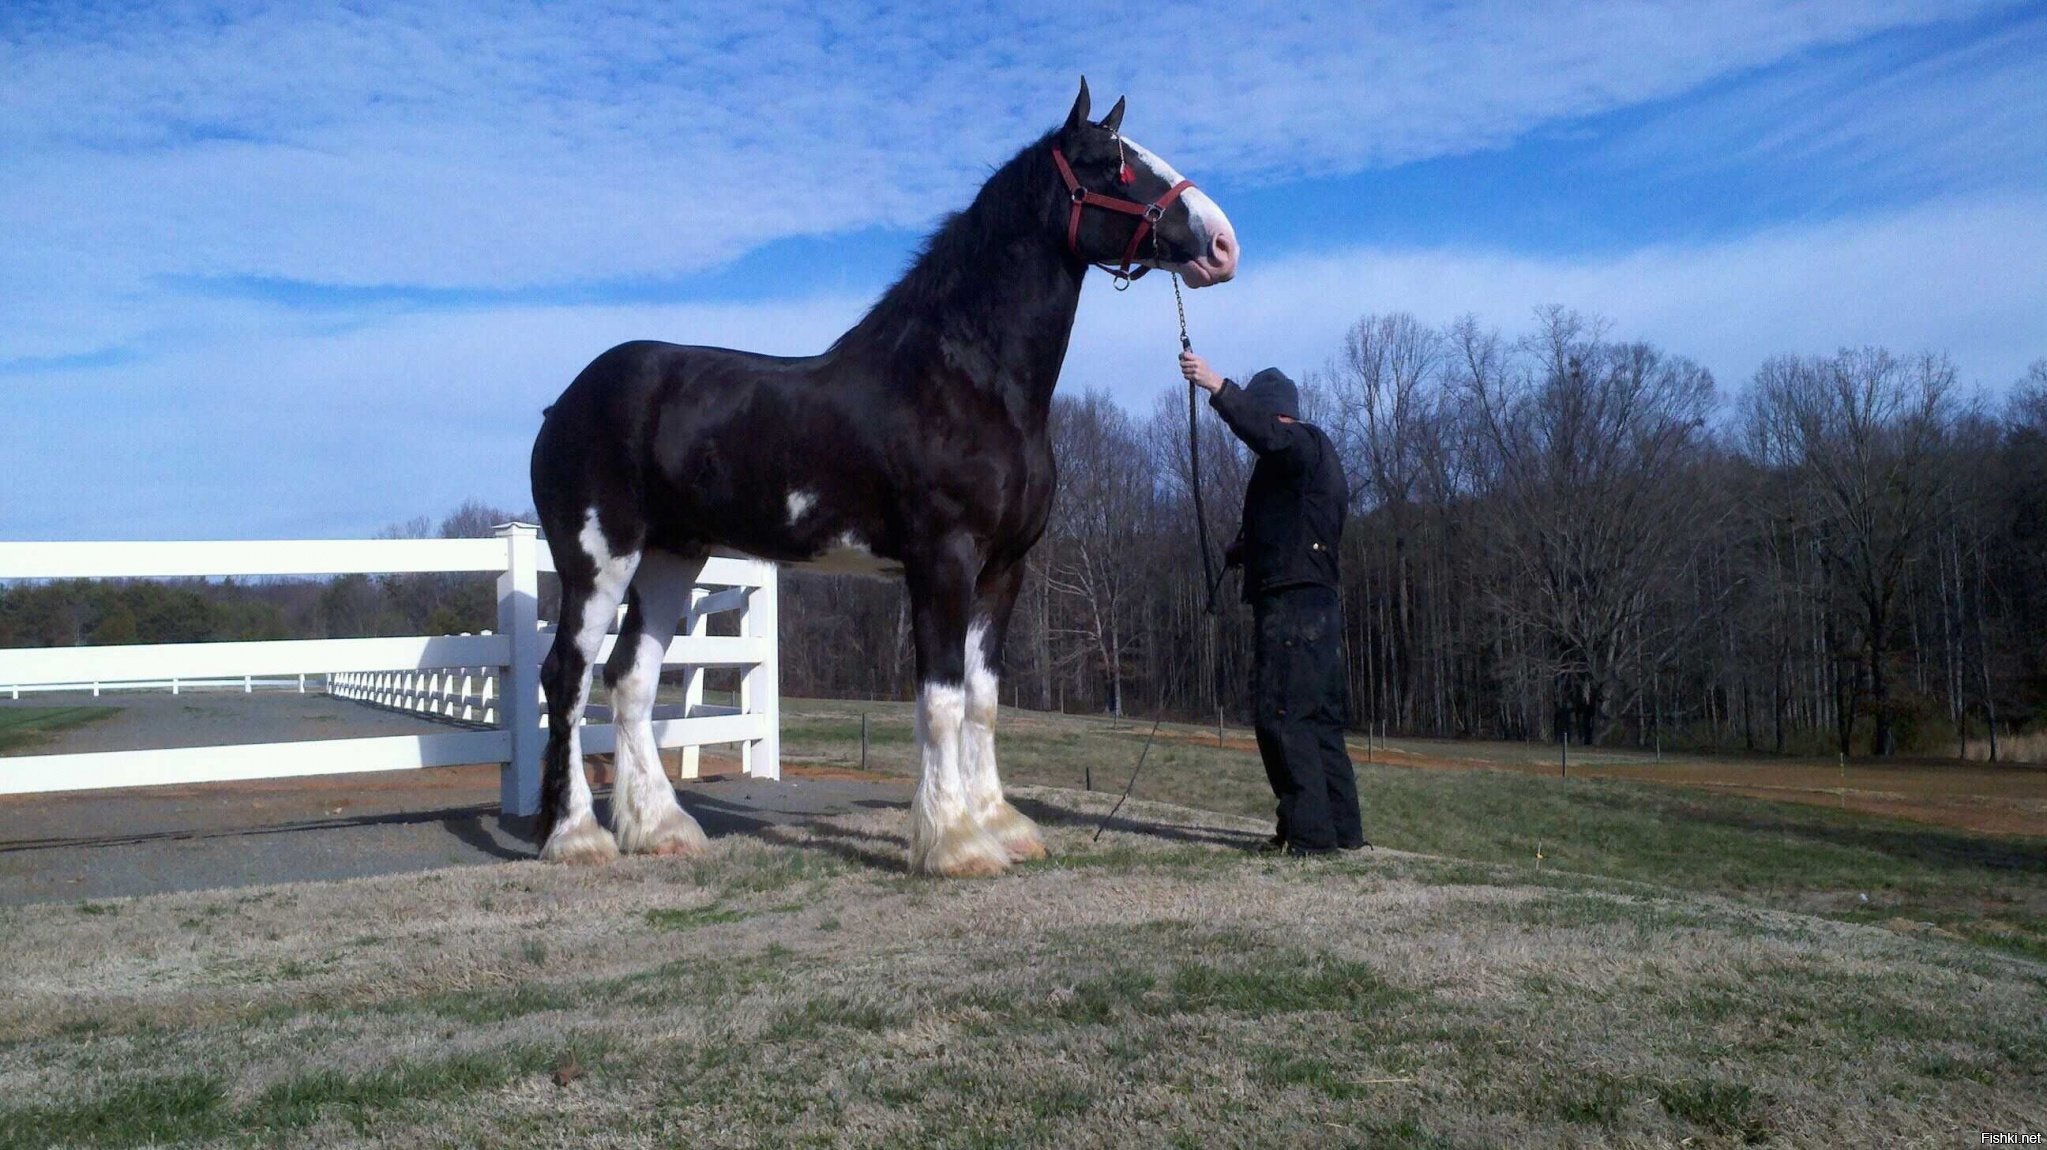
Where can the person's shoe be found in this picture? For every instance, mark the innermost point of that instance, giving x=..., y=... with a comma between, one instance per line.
x=1360, y=845
x=1271, y=846
x=1301, y=852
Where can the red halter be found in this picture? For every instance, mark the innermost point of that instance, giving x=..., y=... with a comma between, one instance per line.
x=1147, y=215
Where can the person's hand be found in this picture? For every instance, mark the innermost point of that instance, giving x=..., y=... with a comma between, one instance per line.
x=1199, y=374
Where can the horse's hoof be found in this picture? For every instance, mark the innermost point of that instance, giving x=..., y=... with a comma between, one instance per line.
x=1016, y=832
x=1026, y=849
x=675, y=835
x=964, y=851
x=675, y=848
x=972, y=866
x=582, y=843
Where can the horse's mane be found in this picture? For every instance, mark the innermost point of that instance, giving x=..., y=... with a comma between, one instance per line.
x=966, y=244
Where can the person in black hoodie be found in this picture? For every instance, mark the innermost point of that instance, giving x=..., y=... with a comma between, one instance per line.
x=1293, y=521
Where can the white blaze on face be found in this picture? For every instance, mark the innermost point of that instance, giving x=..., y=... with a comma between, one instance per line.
x=800, y=503
x=1205, y=219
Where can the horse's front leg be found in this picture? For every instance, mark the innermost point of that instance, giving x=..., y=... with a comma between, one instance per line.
x=986, y=632
x=945, y=836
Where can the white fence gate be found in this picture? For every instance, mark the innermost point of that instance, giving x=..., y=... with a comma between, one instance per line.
x=511, y=733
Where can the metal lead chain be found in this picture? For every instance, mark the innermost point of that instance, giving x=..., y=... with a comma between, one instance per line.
x=1180, y=306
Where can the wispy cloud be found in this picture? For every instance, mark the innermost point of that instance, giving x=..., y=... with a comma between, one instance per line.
x=301, y=432
x=467, y=147
x=297, y=431
x=256, y=256
x=1910, y=280
x=1884, y=122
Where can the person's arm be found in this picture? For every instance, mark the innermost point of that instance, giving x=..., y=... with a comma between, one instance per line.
x=1257, y=427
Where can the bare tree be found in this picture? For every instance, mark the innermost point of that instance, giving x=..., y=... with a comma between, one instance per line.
x=1587, y=445
x=1389, y=387
x=1105, y=500
x=1862, y=433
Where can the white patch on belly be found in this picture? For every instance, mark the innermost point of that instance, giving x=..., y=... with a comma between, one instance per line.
x=800, y=503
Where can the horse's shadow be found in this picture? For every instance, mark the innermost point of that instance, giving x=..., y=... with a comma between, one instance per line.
x=887, y=851
x=1053, y=815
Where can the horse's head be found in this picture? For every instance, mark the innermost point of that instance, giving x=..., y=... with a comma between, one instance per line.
x=1112, y=180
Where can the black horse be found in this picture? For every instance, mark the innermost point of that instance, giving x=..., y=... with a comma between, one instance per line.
x=915, y=446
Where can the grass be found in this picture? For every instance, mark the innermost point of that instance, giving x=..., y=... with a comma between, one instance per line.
x=2030, y=747
x=1680, y=969
x=23, y=727
x=1991, y=890
x=667, y=918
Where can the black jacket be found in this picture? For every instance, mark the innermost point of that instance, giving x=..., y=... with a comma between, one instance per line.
x=1293, y=508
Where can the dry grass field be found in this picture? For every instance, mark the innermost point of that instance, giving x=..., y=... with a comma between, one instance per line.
x=1678, y=968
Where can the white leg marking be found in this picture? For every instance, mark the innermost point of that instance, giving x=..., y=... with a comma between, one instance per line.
x=577, y=837
x=645, y=818
x=944, y=837
x=1018, y=835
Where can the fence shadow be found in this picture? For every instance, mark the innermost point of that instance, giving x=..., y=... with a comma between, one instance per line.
x=471, y=825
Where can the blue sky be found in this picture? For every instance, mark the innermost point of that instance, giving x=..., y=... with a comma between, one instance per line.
x=304, y=271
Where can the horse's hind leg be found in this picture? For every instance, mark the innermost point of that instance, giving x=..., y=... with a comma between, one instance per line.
x=593, y=581
x=985, y=634
x=645, y=817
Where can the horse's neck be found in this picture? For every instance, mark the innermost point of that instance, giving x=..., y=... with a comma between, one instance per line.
x=1022, y=314
x=998, y=322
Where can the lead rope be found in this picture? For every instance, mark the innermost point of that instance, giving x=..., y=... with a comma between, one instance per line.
x=1215, y=578
x=1193, y=447
x=1201, y=541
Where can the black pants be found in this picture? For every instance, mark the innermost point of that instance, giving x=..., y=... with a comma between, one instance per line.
x=1299, y=695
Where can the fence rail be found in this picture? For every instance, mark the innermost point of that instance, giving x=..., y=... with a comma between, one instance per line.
x=490, y=679
x=247, y=684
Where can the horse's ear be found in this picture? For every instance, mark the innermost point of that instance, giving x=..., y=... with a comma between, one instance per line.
x=1114, y=120
x=1078, y=116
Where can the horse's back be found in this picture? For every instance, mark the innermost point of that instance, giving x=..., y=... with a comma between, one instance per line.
x=693, y=444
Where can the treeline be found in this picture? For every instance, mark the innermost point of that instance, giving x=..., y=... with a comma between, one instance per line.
x=1563, y=534
x=1559, y=534
x=82, y=612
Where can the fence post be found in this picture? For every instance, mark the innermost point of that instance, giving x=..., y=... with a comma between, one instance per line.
x=519, y=702
x=761, y=686
x=696, y=624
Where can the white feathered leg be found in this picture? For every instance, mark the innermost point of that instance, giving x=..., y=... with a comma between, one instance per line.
x=1019, y=836
x=945, y=838
x=645, y=816
x=577, y=838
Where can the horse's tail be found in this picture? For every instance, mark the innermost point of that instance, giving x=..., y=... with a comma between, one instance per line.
x=554, y=764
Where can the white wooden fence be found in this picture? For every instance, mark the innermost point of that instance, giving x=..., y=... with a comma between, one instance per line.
x=513, y=734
